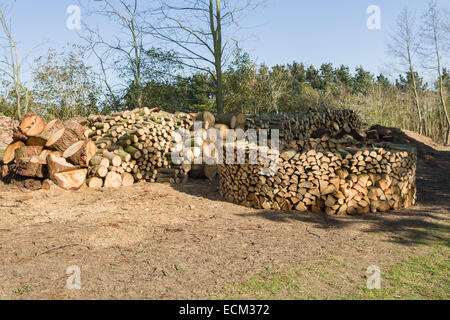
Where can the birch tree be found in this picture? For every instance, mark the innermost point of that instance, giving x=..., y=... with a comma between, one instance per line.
x=12, y=66
x=435, y=36
x=405, y=46
x=121, y=55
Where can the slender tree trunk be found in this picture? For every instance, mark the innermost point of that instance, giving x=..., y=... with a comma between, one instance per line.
x=417, y=101
x=441, y=89
x=219, y=91
x=217, y=37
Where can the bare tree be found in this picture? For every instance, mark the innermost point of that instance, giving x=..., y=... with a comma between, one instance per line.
x=405, y=46
x=12, y=67
x=435, y=36
x=124, y=52
x=202, y=31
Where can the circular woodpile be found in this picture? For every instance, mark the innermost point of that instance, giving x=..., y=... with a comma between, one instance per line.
x=312, y=176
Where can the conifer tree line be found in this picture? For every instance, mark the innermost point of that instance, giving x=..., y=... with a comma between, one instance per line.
x=186, y=55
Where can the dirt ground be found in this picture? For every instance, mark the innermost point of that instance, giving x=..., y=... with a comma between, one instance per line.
x=156, y=241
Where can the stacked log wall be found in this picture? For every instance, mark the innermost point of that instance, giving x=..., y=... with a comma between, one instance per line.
x=350, y=181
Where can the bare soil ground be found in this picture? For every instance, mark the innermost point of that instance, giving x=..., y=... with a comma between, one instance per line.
x=155, y=241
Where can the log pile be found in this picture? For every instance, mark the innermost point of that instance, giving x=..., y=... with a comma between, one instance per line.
x=350, y=181
x=57, y=151
x=294, y=126
x=136, y=145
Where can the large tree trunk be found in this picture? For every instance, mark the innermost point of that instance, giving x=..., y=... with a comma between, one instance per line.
x=76, y=128
x=51, y=128
x=80, y=152
x=62, y=140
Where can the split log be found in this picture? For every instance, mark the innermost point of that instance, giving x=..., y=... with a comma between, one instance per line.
x=57, y=164
x=9, y=154
x=71, y=180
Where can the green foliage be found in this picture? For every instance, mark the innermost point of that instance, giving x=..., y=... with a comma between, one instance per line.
x=22, y=290
x=7, y=108
x=64, y=86
x=253, y=88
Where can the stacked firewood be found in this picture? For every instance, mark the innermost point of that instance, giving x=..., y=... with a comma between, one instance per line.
x=348, y=181
x=121, y=148
x=56, y=150
x=299, y=125
x=136, y=145
x=344, y=126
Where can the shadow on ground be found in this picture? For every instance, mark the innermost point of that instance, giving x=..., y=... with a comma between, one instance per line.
x=427, y=221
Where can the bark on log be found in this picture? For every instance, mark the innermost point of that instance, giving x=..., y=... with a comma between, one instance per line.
x=27, y=152
x=18, y=134
x=61, y=140
x=35, y=141
x=25, y=167
x=113, y=158
x=98, y=171
x=98, y=160
x=48, y=184
x=76, y=128
x=207, y=118
x=210, y=171
x=32, y=184
x=94, y=182
x=51, y=128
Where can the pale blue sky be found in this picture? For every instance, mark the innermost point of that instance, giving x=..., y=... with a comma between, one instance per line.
x=313, y=32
